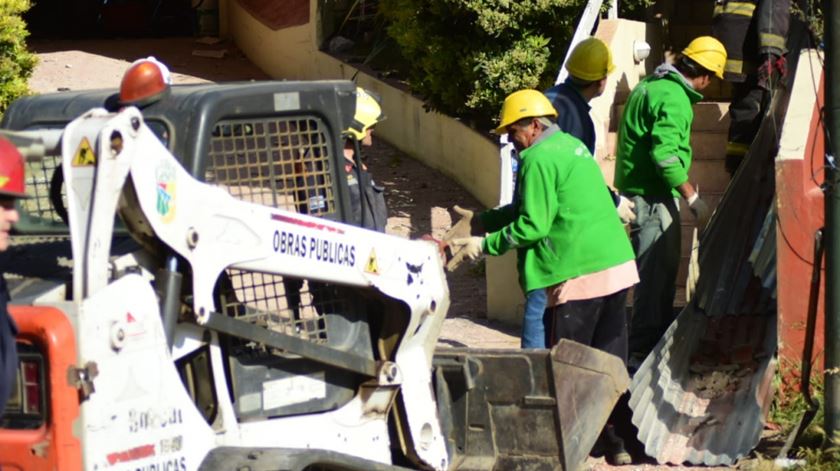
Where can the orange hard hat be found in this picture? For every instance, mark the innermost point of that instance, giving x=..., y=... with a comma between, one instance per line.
x=12, y=171
x=145, y=82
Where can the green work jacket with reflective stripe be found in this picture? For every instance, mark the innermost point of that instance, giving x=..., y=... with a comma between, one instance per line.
x=653, y=152
x=563, y=222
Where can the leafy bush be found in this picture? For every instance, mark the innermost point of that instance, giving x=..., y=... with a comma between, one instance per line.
x=634, y=9
x=810, y=12
x=16, y=62
x=465, y=56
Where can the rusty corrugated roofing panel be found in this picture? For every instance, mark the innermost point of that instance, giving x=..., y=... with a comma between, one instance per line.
x=701, y=396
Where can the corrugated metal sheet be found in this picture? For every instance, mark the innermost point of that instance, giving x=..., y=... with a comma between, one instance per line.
x=701, y=396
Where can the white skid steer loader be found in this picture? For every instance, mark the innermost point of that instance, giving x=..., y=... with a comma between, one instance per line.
x=219, y=324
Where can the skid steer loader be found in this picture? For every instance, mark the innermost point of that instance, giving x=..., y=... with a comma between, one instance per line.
x=213, y=311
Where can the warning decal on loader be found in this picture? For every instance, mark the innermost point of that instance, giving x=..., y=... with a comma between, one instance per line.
x=372, y=266
x=84, y=156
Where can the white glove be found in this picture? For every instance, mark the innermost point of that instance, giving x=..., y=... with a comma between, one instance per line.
x=462, y=228
x=467, y=247
x=625, y=210
x=700, y=210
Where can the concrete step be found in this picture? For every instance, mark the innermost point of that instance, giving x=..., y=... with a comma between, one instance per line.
x=687, y=225
x=705, y=146
x=707, y=173
x=708, y=145
x=709, y=116
x=693, y=14
x=710, y=175
x=682, y=34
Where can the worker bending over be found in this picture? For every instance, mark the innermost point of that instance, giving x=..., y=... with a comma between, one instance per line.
x=589, y=64
x=652, y=165
x=564, y=227
x=563, y=224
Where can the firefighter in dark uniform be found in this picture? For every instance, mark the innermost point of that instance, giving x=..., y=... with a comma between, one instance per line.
x=754, y=34
x=11, y=188
x=367, y=199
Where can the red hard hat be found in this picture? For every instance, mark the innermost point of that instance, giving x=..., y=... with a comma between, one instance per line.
x=11, y=171
x=146, y=81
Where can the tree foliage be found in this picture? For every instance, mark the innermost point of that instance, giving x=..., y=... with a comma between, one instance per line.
x=465, y=56
x=16, y=62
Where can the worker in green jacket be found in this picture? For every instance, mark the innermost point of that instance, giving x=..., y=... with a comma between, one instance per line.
x=652, y=165
x=569, y=239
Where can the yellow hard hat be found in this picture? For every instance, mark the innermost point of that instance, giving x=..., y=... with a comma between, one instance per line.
x=708, y=52
x=368, y=113
x=590, y=60
x=524, y=104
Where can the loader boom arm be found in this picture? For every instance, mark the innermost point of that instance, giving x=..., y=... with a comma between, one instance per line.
x=113, y=162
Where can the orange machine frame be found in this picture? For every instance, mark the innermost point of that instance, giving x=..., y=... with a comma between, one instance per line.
x=53, y=446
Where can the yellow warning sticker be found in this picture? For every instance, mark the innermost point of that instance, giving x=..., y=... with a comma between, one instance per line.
x=84, y=156
x=372, y=266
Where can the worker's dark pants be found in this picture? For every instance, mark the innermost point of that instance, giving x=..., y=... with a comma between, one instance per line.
x=745, y=114
x=601, y=323
x=655, y=235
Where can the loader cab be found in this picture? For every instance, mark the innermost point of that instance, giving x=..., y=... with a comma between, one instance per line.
x=267, y=142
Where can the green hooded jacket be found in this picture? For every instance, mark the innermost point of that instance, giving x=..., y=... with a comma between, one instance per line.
x=563, y=223
x=653, y=152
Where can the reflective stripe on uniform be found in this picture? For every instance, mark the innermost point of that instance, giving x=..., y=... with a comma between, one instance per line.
x=509, y=238
x=737, y=148
x=668, y=162
x=771, y=40
x=735, y=8
x=734, y=66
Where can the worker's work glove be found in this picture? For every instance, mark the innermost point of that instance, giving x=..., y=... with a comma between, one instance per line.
x=464, y=248
x=699, y=209
x=441, y=246
x=772, y=69
x=625, y=210
x=462, y=228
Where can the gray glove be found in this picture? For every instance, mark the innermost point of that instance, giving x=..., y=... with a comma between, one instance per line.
x=699, y=209
x=625, y=210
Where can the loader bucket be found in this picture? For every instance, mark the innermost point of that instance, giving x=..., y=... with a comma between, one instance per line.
x=525, y=409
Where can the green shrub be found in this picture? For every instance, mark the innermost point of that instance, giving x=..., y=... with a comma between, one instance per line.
x=16, y=62
x=465, y=56
x=810, y=12
x=634, y=9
